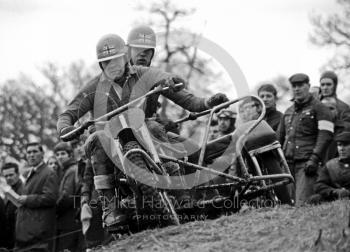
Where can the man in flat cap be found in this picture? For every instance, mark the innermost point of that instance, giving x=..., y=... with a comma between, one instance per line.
x=333, y=181
x=305, y=130
x=340, y=110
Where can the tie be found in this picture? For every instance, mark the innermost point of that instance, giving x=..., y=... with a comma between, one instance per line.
x=31, y=170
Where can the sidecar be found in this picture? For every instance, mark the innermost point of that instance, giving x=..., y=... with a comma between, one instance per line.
x=246, y=167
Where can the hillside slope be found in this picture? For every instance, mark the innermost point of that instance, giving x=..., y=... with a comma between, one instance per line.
x=314, y=228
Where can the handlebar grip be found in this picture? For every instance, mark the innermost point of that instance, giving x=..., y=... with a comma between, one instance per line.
x=76, y=132
x=72, y=134
x=178, y=85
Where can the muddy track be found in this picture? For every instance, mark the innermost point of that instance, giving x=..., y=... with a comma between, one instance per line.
x=314, y=228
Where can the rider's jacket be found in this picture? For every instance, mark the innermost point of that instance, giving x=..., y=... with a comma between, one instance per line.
x=101, y=95
x=335, y=174
x=305, y=129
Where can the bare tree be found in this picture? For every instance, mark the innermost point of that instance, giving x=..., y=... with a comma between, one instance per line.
x=64, y=83
x=29, y=111
x=25, y=116
x=179, y=54
x=334, y=31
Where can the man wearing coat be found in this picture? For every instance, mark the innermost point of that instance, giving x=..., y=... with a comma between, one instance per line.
x=68, y=203
x=333, y=181
x=340, y=110
x=305, y=130
x=268, y=93
x=37, y=213
x=11, y=174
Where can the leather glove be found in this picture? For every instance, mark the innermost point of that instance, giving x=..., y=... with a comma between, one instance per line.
x=171, y=84
x=311, y=166
x=85, y=217
x=168, y=124
x=178, y=80
x=216, y=99
x=341, y=193
x=171, y=126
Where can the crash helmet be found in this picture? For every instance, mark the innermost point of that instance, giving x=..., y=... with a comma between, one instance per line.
x=142, y=36
x=110, y=46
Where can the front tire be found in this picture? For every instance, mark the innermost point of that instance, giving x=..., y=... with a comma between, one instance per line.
x=270, y=163
x=148, y=192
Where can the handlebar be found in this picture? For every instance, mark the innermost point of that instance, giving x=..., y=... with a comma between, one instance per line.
x=80, y=130
x=192, y=116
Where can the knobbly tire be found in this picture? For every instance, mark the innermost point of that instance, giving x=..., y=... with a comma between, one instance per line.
x=161, y=208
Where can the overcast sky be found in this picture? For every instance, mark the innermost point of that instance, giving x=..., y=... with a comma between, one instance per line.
x=265, y=37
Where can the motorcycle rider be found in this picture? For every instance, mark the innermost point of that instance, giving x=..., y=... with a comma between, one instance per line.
x=117, y=84
x=140, y=51
x=141, y=44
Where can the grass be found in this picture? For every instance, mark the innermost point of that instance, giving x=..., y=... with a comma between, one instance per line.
x=311, y=228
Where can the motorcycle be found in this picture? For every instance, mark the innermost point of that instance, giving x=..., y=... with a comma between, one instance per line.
x=252, y=150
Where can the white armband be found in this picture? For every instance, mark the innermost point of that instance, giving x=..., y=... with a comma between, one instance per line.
x=326, y=125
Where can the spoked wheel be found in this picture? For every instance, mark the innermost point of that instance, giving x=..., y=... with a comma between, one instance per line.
x=272, y=166
x=269, y=164
x=147, y=192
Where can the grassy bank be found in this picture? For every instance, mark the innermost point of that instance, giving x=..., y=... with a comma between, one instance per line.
x=313, y=228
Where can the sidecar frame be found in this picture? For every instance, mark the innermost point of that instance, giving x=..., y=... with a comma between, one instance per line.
x=241, y=186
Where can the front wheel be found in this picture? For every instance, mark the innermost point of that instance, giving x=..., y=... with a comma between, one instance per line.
x=271, y=164
x=147, y=193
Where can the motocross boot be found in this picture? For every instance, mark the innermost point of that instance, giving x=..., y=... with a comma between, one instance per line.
x=150, y=200
x=113, y=218
x=105, y=185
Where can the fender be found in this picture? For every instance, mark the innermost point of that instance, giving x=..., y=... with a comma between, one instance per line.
x=128, y=126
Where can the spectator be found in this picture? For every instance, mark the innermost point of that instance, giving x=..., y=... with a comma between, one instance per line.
x=340, y=110
x=52, y=163
x=328, y=87
x=316, y=92
x=36, y=216
x=11, y=173
x=305, y=131
x=268, y=93
x=226, y=123
x=3, y=235
x=249, y=109
x=333, y=181
x=67, y=205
